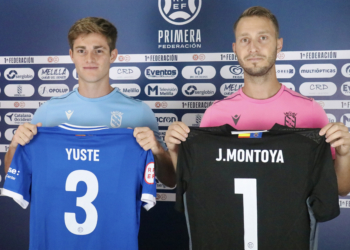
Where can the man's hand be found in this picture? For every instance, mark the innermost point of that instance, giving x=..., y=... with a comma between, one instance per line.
x=24, y=134
x=337, y=134
x=176, y=133
x=145, y=137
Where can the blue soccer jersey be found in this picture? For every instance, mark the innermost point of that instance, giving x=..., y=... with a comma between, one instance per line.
x=86, y=187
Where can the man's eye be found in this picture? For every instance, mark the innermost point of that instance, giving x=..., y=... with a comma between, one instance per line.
x=263, y=38
x=244, y=40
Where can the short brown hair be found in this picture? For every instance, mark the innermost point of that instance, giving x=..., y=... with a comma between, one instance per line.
x=260, y=12
x=90, y=25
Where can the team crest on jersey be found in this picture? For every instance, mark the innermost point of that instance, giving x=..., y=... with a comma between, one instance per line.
x=290, y=119
x=149, y=173
x=116, y=119
x=179, y=12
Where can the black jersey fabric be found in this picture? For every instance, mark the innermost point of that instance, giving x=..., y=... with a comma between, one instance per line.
x=288, y=190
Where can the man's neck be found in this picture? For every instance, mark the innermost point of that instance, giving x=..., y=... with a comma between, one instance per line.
x=261, y=87
x=94, y=90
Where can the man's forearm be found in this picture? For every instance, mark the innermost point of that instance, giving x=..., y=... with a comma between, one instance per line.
x=165, y=170
x=8, y=158
x=342, y=169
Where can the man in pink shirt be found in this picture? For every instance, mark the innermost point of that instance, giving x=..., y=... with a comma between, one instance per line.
x=263, y=101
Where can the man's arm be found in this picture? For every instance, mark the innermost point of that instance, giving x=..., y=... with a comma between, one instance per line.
x=23, y=135
x=165, y=170
x=338, y=136
x=176, y=133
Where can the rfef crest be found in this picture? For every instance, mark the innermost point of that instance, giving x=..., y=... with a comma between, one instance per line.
x=179, y=12
x=116, y=119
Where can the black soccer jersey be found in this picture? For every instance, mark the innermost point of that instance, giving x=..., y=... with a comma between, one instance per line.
x=255, y=193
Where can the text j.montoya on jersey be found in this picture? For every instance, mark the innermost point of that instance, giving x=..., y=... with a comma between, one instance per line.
x=251, y=155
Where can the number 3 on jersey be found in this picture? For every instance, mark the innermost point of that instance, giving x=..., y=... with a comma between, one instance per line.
x=85, y=202
x=247, y=187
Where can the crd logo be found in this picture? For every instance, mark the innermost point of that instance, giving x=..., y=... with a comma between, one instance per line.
x=236, y=70
x=179, y=12
x=198, y=70
x=190, y=90
x=150, y=89
x=12, y=74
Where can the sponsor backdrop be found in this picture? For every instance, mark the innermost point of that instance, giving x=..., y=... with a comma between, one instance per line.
x=176, y=56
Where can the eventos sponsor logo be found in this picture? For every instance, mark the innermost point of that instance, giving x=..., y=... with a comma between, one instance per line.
x=49, y=90
x=165, y=119
x=75, y=74
x=131, y=89
x=345, y=70
x=9, y=133
x=331, y=118
x=193, y=119
x=345, y=119
x=232, y=72
x=285, y=70
x=161, y=89
x=19, y=90
x=53, y=74
x=345, y=88
x=161, y=72
x=19, y=74
x=289, y=85
x=318, y=70
x=17, y=118
x=179, y=13
x=229, y=88
x=124, y=73
x=318, y=88
x=198, y=89
x=198, y=72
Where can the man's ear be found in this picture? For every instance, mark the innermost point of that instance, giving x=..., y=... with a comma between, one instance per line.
x=279, y=44
x=114, y=54
x=234, y=47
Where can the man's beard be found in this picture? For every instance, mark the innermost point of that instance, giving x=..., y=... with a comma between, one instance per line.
x=259, y=71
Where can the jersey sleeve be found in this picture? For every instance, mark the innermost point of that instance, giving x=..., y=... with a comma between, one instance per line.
x=149, y=190
x=19, y=178
x=323, y=199
x=320, y=119
x=40, y=115
x=149, y=120
x=184, y=162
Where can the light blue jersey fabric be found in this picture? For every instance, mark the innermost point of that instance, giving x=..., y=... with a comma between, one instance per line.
x=114, y=110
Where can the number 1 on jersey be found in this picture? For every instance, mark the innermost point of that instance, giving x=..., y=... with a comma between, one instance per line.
x=247, y=187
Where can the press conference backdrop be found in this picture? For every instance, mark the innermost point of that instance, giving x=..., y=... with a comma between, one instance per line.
x=189, y=40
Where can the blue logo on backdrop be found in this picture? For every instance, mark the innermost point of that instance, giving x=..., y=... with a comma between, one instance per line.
x=12, y=74
x=179, y=12
x=348, y=69
x=198, y=70
x=236, y=70
x=190, y=90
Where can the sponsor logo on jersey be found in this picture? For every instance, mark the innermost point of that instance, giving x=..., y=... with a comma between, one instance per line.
x=131, y=89
x=198, y=72
x=161, y=72
x=179, y=13
x=69, y=113
x=345, y=70
x=19, y=90
x=229, y=88
x=318, y=70
x=251, y=155
x=193, y=120
x=232, y=72
x=149, y=173
x=124, y=73
x=9, y=133
x=116, y=119
x=19, y=74
x=318, y=89
x=161, y=90
x=198, y=89
x=75, y=74
x=345, y=88
x=49, y=90
x=12, y=173
x=331, y=118
x=289, y=85
x=236, y=118
x=17, y=118
x=53, y=74
x=290, y=119
x=165, y=119
x=285, y=70
x=345, y=119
